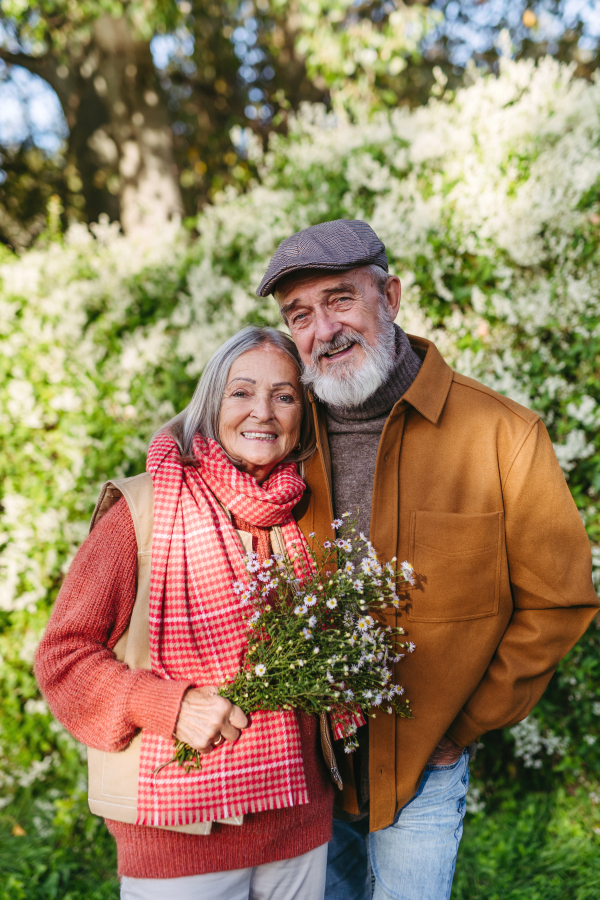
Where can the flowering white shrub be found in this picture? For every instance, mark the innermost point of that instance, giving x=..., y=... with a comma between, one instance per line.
x=489, y=205
x=530, y=742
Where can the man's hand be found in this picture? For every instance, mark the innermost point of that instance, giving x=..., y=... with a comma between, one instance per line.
x=205, y=719
x=446, y=753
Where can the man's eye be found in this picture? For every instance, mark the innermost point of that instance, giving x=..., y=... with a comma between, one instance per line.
x=297, y=320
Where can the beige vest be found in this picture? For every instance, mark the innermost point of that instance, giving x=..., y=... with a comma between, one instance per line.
x=113, y=777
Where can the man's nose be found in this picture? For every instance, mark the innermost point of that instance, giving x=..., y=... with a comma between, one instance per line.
x=326, y=327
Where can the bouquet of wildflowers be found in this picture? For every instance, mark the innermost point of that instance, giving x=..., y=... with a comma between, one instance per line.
x=313, y=643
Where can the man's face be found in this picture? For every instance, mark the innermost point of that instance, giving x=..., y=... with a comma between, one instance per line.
x=343, y=327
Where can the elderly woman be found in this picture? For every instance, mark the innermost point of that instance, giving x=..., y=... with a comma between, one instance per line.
x=254, y=820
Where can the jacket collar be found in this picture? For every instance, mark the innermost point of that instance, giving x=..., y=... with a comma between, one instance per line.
x=429, y=391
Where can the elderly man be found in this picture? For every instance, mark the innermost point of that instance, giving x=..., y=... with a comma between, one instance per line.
x=463, y=483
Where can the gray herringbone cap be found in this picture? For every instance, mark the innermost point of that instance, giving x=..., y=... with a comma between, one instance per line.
x=338, y=245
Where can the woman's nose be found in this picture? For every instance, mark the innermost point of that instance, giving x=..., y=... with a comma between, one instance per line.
x=262, y=409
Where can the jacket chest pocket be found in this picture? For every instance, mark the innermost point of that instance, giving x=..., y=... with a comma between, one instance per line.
x=457, y=560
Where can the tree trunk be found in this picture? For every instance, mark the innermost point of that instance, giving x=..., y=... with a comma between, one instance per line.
x=137, y=135
x=120, y=139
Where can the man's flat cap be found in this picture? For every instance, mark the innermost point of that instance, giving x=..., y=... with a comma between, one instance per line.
x=338, y=245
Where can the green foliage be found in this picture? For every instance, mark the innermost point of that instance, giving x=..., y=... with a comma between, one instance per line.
x=63, y=853
x=530, y=847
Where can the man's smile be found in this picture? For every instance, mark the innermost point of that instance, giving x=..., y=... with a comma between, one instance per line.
x=340, y=351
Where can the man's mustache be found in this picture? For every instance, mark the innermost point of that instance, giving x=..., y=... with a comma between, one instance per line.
x=347, y=336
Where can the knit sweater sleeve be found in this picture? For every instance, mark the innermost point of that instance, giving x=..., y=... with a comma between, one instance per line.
x=97, y=698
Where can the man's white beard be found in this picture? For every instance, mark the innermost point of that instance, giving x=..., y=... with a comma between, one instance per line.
x=344, y=383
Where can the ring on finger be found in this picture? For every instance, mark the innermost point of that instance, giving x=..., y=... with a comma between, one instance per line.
x=219, y=741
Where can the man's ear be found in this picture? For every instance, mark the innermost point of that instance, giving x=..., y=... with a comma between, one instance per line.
x=393, y=294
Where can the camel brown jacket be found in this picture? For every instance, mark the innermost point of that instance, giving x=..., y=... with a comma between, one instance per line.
x=468, y=489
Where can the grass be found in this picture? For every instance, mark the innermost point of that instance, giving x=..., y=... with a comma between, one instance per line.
x=530, y=847
x=536, y=847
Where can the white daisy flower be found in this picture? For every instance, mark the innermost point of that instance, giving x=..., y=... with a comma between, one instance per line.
x=260, y=669
x=300, y=610
x=337, y=523
x=327, y=544
x=307, y=634
x=267, y=564
x=408, y=572
x=312, y=621
x=358, y=585
x=331, y=603
x=310, y=600
x=349, y=568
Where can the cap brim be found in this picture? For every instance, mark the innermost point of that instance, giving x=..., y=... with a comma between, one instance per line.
x=267, y=285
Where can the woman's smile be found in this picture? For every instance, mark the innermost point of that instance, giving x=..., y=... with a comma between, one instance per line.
x=259, y=436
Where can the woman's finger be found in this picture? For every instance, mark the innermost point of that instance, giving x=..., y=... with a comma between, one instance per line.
x=238, y=718
x=229, y=732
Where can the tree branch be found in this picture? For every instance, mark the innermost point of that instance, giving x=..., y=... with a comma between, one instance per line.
x=35, y=64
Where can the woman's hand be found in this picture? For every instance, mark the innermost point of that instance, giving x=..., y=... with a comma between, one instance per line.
x=205, y=719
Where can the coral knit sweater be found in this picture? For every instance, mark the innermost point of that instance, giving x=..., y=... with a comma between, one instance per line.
x=103, y=703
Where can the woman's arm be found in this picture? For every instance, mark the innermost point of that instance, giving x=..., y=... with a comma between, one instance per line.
x=97, y=698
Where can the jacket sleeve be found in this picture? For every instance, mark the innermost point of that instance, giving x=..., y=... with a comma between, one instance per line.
x=550, y=570
x=97, y=698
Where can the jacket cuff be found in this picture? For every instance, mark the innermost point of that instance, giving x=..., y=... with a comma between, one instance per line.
x=153, y=703
x=464, y=730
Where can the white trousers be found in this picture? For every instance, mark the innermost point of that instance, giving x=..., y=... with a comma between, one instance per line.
x=300, y=878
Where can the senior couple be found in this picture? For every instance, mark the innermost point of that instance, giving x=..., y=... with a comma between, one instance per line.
x=282, y=436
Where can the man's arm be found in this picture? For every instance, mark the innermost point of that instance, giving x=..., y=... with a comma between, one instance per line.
x=554, y=600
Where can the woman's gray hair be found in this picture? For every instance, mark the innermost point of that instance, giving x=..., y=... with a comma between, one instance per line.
x=203, y=412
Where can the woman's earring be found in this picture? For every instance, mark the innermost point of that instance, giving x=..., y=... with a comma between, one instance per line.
x=298, y=445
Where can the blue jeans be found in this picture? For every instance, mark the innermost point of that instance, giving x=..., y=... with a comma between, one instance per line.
x=414, y=857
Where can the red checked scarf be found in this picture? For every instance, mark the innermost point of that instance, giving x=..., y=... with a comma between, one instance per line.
x=197, y=632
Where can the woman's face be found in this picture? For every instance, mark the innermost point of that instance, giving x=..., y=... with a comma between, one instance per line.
x=261, y=410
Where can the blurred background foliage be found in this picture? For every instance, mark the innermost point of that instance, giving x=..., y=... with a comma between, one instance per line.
x=153, y=155
x=127, y=108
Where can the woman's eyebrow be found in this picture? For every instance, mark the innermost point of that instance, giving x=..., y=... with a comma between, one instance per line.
x=241, y=378
x=281, y=384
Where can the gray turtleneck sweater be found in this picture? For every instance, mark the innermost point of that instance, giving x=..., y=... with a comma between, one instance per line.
x=354, y=436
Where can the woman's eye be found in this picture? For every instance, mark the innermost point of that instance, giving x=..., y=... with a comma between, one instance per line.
x=287, y=398
x=239, y=394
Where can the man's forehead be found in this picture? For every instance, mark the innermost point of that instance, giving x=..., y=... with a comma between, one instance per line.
x=323, y=282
